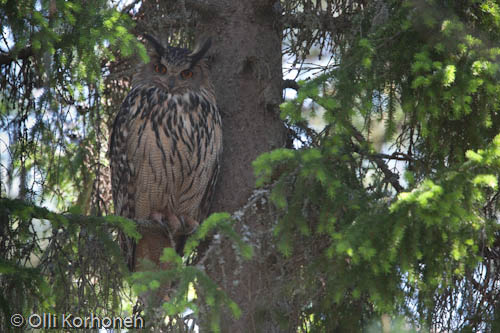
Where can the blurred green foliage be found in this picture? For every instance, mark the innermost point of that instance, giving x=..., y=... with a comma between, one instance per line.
x=52, y=124
x=56, y=105
x=409, y=229
x=51, y=98
x=406, y=230
x=191, y=282
x=59, y=263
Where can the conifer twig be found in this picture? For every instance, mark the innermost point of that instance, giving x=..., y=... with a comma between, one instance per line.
x=390, y=176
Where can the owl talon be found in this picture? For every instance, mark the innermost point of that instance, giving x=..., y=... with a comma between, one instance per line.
x=189, y=225
x=183, y=223
x=171, y=223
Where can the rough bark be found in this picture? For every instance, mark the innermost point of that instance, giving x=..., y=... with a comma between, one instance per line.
x=247, y=75
x=246, y=71
x=257, y=285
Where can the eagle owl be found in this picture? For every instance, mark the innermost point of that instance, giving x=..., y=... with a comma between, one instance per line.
x=165, y=148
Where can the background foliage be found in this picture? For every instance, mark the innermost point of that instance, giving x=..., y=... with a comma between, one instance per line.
x=388, y=207
x=396, y=198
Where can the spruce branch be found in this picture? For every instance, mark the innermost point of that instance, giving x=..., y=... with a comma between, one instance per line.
x=29, y=210
x=23, y=54
x=395, y=156
x=292, y=84
x=390, y=176
x=322, y=21
x=129, y=7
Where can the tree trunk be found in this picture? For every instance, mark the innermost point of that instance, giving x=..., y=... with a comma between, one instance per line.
x=247, y=74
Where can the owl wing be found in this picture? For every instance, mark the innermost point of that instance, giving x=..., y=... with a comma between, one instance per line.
x=217, y=146
x=208, y=145
x=121, y=171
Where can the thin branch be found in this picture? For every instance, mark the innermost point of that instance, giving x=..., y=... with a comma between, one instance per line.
x=129, y=7
x=10, y=205
x=489, y=204
x=7, y=58
x=390, y=176
x=27, y=52
x=323, y=21
x=292, y=84
x=394, y=156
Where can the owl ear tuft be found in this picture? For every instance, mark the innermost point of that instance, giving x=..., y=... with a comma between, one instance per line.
x=199, y=51
x=158, y=47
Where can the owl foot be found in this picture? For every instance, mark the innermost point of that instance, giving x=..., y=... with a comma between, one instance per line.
x=170, y=222
x=182, y=225
x=189, y=225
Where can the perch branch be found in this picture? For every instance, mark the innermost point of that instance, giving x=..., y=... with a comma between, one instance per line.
x=23, y=208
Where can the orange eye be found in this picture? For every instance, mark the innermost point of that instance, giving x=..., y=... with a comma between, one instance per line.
x=159, y=68
x=187, y=74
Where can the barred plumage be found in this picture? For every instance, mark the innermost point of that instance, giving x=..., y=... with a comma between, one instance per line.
x=165, y=148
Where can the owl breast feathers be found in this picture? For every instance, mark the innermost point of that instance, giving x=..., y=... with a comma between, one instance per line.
x=165, y=148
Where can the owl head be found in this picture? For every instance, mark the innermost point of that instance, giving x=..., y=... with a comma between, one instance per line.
x=175, y=69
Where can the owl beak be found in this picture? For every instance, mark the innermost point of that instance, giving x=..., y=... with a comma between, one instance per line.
x=171, y=83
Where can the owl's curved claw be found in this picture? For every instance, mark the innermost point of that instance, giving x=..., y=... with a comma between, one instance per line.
x=171, y=223
x=176, y=225
x=189, y=225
